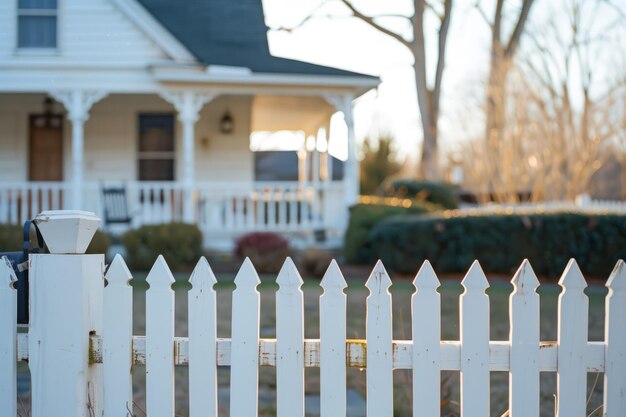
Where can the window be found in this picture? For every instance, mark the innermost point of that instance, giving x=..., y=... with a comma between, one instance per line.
x=156, y=147
x=37, y=23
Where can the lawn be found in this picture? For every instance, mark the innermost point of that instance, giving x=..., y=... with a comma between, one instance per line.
x=357, y=293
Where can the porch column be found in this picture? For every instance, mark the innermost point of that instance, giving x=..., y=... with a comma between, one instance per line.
x=188, y=105
x=343, y=103
x=77, y=103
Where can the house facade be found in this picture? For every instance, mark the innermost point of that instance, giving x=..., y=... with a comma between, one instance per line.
x=162, y=99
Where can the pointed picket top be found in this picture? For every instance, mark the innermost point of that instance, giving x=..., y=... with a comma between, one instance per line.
x=247, y=275
x=7, y=273
x=289, y=277
x=202, y=275
x=525, y=281
x=333, y=278
x=426, y=277
x=617, y=280
x=378, y=279
x=118, y=272
x=160, y=274
x=572, y=277
x=475, y=278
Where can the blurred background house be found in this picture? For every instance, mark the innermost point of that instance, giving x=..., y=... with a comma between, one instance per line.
x=170, y=103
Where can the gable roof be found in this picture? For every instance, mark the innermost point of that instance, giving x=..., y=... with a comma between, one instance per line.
x=230, y=33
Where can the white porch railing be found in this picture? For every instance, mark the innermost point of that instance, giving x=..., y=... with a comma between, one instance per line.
x=220, y=209
x=81, y=349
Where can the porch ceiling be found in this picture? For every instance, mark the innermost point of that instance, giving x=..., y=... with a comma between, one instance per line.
x=275, y=113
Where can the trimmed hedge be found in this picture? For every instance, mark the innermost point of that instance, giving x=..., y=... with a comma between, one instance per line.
x=363, y=217
x=500, y=242
x=179, y=243
x=11, y=240
x=439, y=193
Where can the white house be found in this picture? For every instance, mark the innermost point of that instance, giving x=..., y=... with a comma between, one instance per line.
x=162, y=96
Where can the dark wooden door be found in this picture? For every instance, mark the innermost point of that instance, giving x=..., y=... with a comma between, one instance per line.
x=46, y=148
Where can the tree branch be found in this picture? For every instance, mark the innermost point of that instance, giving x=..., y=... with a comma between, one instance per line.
x=370, y=21
x=519, y=29
x=443, y=35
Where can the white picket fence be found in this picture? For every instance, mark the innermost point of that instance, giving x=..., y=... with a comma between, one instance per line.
x=81, y=348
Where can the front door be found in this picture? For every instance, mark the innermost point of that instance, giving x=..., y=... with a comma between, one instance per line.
x=46, y=148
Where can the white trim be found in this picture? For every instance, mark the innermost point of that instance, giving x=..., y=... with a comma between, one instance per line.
x=186, y=75
x=153, y=28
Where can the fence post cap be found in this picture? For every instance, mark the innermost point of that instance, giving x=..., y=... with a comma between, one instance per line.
x=67, y=231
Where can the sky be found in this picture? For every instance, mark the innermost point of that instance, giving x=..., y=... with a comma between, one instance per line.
x=333, y=38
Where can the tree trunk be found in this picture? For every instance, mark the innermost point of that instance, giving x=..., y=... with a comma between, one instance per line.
x=429, y=164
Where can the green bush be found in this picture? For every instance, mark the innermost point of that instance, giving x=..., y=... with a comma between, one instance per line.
x=11, y=240
x=439, y=193
x=501, y=241
x=363, y=217
x=179, y=243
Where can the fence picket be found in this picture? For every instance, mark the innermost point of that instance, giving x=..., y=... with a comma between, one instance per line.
x=333, y=343
x=160, y=341
x=474, y=324
x=524, y=338
x=615, y=356
x=425, y=313
x=117, y=337
x=379, y=344
x=289, y=342
x=202, y=342
x=244, y=370
x=572, y=343
x=8, y=339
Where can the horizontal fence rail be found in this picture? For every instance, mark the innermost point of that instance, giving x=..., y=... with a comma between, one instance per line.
x=114, y=350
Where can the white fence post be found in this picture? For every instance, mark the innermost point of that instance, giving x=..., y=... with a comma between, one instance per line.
x=379, y=344
x=66, y=295
x=474, y=323
x=572, y=344
x=202, y=342
x=160, y=341
x=426, y=318
x=8, y=339
x=615, y=355
x=333, y=343
x=117, y=340
x=524, y=338
x=289, y=342
x=244, y=367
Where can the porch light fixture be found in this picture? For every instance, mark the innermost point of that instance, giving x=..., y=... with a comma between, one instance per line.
x=227, y=124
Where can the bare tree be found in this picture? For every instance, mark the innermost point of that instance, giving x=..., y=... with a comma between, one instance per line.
x=428, y=96
x=564, y=113
x=502, y=53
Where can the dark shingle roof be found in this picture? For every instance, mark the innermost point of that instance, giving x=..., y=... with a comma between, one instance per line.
x=230, y=33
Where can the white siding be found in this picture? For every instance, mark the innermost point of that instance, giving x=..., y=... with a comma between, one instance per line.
x=111, y=138
x=89, y=32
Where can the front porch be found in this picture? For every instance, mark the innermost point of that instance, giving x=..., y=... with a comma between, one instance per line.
x=193, y=171
x=223, y=211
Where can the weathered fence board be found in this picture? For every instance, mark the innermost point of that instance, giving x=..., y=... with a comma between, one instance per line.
x=572, y=344
x=244, y=372
x=524, y=338
x=379, y=344
x=159, y=341
x=332, y=352
x=8, y=339
x=289, y=342
x=474, y=323
x=202, y=344
x=425, y=313
x=117, y=340
x=615, y=336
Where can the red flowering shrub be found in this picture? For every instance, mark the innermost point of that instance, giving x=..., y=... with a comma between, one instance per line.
x=266, y=250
